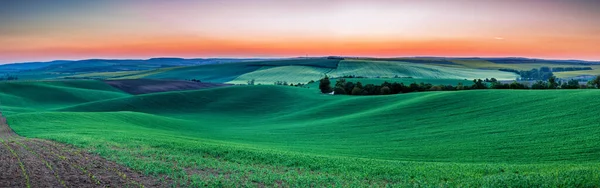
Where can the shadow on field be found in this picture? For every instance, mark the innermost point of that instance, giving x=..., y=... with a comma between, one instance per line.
x=144, y=86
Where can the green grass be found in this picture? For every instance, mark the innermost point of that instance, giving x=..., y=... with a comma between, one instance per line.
x=570, y=74
x=306, y=69
x=290, y=74
x=483, y=64
x=276, y=135
x=28, y=96
x=404, y=69
x=109, y=75
x=310, y=62
x=265, y=72
x=220, y=73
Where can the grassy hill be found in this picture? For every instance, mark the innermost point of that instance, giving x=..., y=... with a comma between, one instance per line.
x=296, y=70
x=45, y=95
x=290, y=74
x=406, y=69
x=276, y=135
x=304, y=70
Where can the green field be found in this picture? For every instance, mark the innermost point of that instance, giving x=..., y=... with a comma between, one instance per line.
x=302, y=70
x=569, y=74
x=210, y=73
x=287, y=136
x=405, y=69
x=291, y=74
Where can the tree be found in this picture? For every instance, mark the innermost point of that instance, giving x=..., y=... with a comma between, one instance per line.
x=539, y=85
x=436, y=88
x=517, y=85
x=413, y=87
x=341, y=82
x=460, y=86
x=571, y=84
x=495, y=84
x=385, y=90
x=339, y=91
x=348, y=87
x=356, y=91
x=325, y=85
x=478, y=84
x=552, y=82
x=251, y=82
x=596, y=82
x=359, y=85
x=371, y=89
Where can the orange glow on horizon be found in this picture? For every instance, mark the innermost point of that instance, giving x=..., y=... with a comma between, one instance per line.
x=266, y=28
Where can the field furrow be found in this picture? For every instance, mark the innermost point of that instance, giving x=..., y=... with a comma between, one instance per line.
x=39, y=163
x=11, y=175
x=39, y=174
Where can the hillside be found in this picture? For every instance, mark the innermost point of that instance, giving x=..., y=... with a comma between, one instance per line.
x=45, y=95
x=294, y=70
x=465, y=138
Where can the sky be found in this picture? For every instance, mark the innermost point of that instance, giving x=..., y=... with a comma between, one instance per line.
x=43, y=30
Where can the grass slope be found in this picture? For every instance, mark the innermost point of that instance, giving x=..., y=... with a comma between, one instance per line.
x=270, y=135
x=290, y=74
x=570, y=74
x=220, y=73
x=404, y=69
x=310, y=62
x=23, y=96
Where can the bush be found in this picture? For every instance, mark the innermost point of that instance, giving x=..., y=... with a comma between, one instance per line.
x=571, y=84
x=595, y=82
x=356, y=91
x=385, y=90
x=339, y=91
x=478, y=84
x=325, y=85
x=435, y=88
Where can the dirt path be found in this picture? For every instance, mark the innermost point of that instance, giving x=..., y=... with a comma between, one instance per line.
x=39, y=163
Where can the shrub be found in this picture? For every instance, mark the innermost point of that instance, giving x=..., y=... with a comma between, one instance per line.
x=595, y=82
x=339, y=91
x=385, y=90
x=357, y=90
x=325, y=85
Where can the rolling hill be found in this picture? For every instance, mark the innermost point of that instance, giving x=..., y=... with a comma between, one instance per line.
x=296, y=70
x=276, y=135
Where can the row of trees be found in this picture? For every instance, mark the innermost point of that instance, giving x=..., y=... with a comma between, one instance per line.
x=543, y=73
x=285, y=83
x=8, y=77
x=342, y=87
x=534, y=74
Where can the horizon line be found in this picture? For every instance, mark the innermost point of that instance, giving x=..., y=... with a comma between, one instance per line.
x=291, y=57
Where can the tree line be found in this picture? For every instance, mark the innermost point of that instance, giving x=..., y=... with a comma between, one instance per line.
x=8, y=77
x=544, y=73
x=343, y=87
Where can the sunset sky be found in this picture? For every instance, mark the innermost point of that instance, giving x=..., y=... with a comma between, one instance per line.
x=43, y=30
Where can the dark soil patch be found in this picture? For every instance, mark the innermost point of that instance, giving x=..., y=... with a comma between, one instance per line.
x=143, y=86
x=40, y=163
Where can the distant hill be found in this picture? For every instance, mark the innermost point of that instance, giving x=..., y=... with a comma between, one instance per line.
x=110, y=65
x=297, y=70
